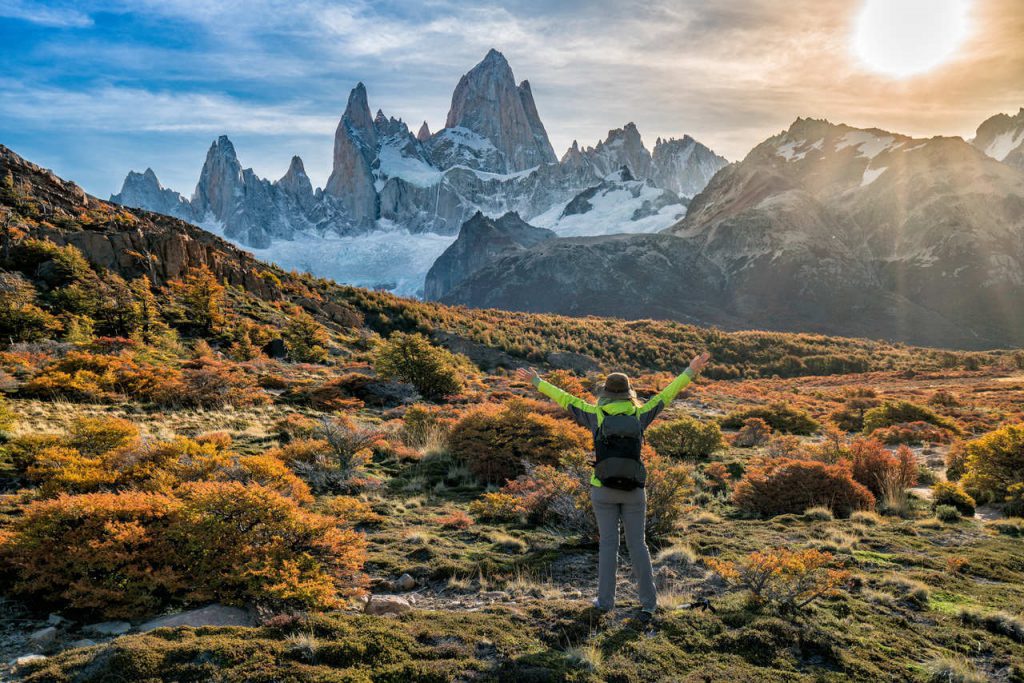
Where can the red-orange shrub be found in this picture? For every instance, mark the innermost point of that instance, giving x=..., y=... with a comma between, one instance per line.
x=784, y=485
x=791, y=579
x=876, y=467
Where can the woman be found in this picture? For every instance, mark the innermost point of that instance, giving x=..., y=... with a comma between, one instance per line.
x=617, y=492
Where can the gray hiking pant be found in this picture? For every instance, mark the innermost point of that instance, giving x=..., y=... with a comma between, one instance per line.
x=610, y=506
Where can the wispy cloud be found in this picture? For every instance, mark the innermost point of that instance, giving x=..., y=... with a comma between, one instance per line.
x=56, y=17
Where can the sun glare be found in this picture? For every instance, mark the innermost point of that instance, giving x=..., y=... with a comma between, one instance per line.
x=902, y=38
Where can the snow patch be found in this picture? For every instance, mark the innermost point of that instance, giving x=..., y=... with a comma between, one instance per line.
x=611, y=213
x=871, y=175
x=789, y=153
x=1004, y=143
x=868, y=144
x=394, y=164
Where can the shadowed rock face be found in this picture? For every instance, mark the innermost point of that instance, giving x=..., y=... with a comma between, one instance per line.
x=481, y=240
x=822, y=228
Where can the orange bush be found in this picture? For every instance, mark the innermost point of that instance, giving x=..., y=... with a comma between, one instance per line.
x=248, y=542
x=874, y=466
x=496, y=443
x=102, y=552
x=785, y=485
x=458, y=520
x=790, y=579
x=128, y=554
x=497, y=506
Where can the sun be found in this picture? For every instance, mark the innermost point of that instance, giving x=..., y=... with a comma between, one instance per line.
x=901, y=38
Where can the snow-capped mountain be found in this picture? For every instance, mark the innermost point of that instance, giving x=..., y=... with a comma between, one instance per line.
x=822, y=227
x=1002, y=138
x=493, y=156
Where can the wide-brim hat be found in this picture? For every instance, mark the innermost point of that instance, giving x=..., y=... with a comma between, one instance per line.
x=616, y=387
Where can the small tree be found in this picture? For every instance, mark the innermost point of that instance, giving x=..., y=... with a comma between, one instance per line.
x=202, y=298
x=412, y=358
x=305, y=338
x=147, y=324
x=789, y=579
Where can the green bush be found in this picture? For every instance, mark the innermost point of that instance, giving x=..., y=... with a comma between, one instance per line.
x=946, y=493
x=779, y=416
x=685, y=438
x=899, y=412
x=435, y=372
x=947, y=513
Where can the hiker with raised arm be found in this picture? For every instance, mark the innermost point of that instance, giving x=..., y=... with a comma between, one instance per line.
x=617, y=422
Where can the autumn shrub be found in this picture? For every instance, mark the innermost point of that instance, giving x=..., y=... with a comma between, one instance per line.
x=913, y=433
x=779, y=416
x=457, y=520
x=685, y=437
x=953, y=495
x=716, y=476
x=783, y=446
x=435, y=372
x=97, y=435
x=784, y=485
x=496, y=506
x=754, y=432
x=424, y=427
x=295, y=426
x=213, y=383
x=876, y=467
x=899, y=412
x=246, y=542
x=22, y=451
x=995, y=462
x=956, y=461
x=340, y=467
x=540, y=489
x=496, y=443
x=786, y=579
x=567, y=381
x=350, y=510
x=102, y=553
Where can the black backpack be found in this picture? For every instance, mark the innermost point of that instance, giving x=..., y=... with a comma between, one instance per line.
x=617, y=444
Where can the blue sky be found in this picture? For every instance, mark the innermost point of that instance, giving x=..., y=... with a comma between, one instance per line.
x=93, y=89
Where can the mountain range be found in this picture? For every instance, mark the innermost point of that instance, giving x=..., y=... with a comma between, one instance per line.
x=493, y=155
x=822, y=227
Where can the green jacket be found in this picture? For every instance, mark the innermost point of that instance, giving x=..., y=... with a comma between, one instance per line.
x=587, y=415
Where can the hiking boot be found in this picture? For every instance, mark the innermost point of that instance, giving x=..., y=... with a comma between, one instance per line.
x=645, y=616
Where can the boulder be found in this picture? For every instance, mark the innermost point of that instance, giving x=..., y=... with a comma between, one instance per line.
x=577, y=362
x=405, y=582
x=387, y=604
x=108, y=628
x=211, y=615
x=43, y=638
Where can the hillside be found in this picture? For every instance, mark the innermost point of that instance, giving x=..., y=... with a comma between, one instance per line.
x=216, y=470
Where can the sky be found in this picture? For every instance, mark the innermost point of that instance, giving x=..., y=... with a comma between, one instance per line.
x=94, y=89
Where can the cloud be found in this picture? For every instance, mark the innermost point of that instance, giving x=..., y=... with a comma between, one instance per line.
x=54, y=17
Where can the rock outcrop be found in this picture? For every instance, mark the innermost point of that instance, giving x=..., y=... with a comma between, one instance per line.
x=684, y=166
x=1002, y=137
x=355, y=146
x=481, y=239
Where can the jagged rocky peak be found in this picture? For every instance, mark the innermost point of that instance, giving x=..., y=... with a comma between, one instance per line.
x=488, y=103
x=297, y=184
x=1002, y=138
x=424, y=133
x=684, y=166
x=622, y=147
x=355, y=147
x=221, y=175
x=144, y=191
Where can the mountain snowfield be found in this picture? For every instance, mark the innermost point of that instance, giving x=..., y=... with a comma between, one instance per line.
x=395, y=201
